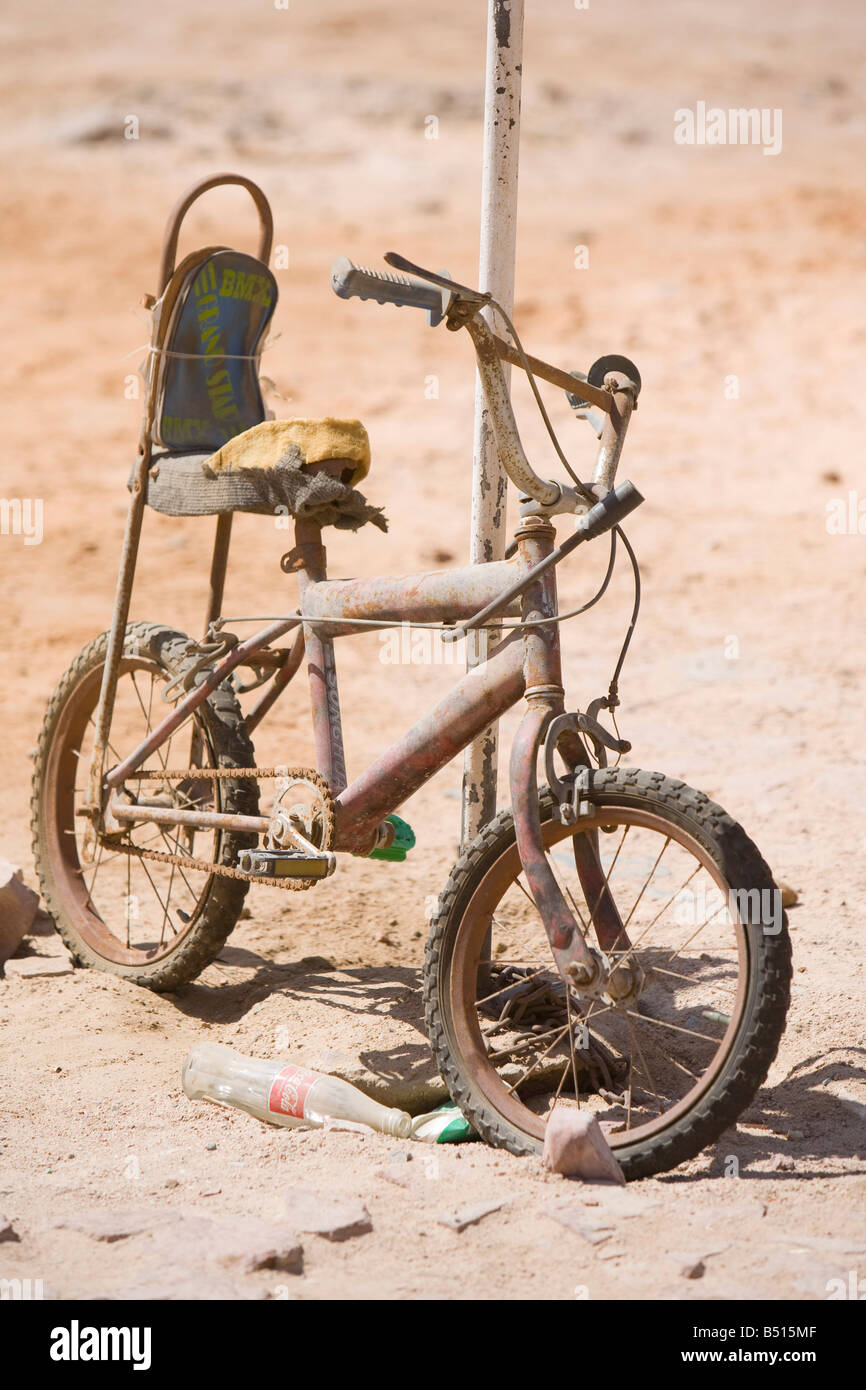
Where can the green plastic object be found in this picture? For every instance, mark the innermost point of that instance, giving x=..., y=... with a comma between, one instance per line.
x=444, y=1125
x=403, y=841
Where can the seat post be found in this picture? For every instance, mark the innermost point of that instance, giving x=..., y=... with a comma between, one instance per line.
x=218, y=566
x=311, y=567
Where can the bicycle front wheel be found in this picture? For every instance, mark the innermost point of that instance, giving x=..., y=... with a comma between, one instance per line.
x=665, y=1071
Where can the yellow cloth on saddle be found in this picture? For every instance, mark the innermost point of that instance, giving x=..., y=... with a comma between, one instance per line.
x=310, y=441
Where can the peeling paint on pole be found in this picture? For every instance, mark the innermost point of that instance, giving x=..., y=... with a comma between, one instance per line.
x=496, y=274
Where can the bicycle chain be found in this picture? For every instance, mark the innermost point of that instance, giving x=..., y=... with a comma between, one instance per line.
x=297, y=774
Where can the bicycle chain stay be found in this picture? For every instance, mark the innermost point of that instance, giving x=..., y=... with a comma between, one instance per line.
x=288, y=774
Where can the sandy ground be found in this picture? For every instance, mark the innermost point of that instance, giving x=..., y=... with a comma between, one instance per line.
x=747, y=674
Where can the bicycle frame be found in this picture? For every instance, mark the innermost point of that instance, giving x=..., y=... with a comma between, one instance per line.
x=526, y=664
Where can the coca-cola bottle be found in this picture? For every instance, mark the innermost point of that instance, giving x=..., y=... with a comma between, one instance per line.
x=283, y=1093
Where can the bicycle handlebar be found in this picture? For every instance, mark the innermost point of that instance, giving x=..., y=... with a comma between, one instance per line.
x=441, y=296
x=356, y=282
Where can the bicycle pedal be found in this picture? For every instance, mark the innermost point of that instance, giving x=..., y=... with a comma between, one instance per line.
x=284, y=863
x=402, y=841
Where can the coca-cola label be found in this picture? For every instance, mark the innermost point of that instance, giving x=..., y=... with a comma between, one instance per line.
x=289, y=1090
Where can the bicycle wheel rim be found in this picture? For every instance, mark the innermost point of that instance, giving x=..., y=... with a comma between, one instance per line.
x=62, y=772
x=461, y=987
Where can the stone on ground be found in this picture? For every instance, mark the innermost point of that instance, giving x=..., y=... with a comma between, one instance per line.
x=247, y=1243
x=575, y=1146
x=7, y=1230
x=594, y=1230
x=790, y=896
x=18, y=905
x=468, y=1216
x=335, y=1218
x=101, y=1224
x=38, y=967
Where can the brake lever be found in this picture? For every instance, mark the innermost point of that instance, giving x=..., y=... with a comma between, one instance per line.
x=582, y=408
x=463, y=291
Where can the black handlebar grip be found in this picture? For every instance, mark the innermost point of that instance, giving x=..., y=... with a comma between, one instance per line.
x=353, y=281
x=609, y=512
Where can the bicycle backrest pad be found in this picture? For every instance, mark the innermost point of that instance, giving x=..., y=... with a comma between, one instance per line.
x=203, y=368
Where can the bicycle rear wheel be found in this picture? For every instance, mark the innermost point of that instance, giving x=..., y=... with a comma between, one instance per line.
x=156, y=923
x=666, y=1071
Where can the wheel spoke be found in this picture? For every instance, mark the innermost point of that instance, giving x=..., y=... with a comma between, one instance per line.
x=605, y=887
x=143, y=863
x=647, y=882
x=675, y=975
x=631, y=950
x=523, y=1046
x=176, y=848
x=571, y=1046
x=645, y=1065
x=677, y=1027
x=538, y=1061
x=545, y=969
x=673, y=955
x=167, y=901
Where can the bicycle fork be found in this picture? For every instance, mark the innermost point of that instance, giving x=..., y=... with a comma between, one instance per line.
x=579, y=963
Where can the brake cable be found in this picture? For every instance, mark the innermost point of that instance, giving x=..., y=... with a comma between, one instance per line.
x=613, y=689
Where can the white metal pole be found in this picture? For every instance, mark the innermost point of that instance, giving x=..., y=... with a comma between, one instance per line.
x=496, y=275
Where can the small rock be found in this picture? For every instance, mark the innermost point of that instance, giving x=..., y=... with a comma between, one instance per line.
x=38, y=967
x=575, y=1146
x=210, y=1146
x=694, y=1265
x=18, y=905
x=248, y=1242
x=594, y=1230
x=7, y=1230
x=335, y=1218
x=468, y=1216
x=796, y=1134
x=110, y=1226
x=782, y=1163
x=789, y=894
x=209, y=1191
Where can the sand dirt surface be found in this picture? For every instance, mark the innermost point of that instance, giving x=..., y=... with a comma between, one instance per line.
x=708, y=266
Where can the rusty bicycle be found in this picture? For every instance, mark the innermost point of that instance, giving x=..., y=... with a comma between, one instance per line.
x=614, y=940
